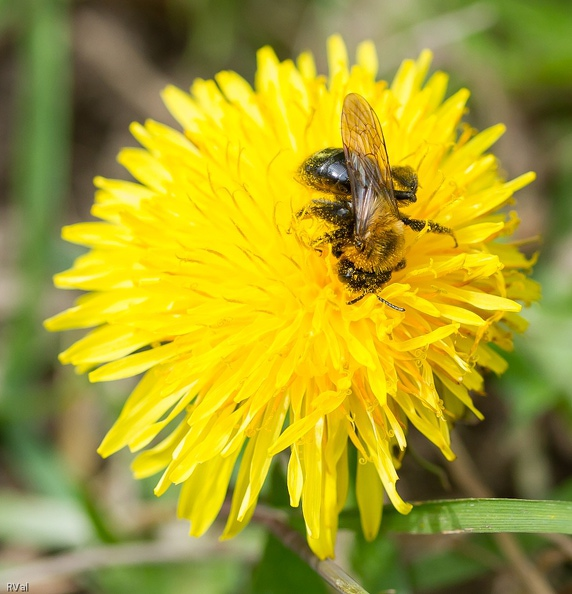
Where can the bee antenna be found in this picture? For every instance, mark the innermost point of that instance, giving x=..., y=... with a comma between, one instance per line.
x=390, y=304
x=397, y=308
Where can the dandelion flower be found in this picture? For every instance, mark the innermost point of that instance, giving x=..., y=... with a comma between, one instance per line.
x=200, y=276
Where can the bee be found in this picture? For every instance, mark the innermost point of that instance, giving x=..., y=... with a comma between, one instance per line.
x=368, y=230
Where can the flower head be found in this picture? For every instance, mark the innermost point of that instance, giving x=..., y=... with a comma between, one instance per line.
x=201, y=275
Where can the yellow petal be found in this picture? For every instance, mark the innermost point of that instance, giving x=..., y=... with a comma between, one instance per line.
x=369, y=495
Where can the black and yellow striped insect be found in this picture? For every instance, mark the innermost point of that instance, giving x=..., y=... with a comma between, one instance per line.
x=368, y=230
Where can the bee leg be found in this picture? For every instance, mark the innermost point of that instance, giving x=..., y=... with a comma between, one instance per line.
x=400, y=265
x=337, y=212
x=419, y=225
x=332, y=236
x=325, y=238
x=336, y=239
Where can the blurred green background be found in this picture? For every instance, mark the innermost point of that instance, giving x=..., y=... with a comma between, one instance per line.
x=73, y=75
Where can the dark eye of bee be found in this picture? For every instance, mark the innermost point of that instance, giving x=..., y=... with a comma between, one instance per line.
x=327, y=171
x=404, y=184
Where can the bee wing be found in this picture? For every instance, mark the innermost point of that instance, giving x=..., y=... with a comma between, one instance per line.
x=368, y=164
